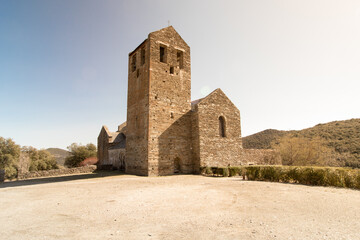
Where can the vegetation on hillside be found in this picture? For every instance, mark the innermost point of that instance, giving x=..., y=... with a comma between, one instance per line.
x=341, y=136
x=263, y=139
x=79, y=153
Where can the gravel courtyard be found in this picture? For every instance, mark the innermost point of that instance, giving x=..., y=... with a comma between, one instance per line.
x=175, y=207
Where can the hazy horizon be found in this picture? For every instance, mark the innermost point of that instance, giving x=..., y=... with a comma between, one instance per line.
x=286, y=65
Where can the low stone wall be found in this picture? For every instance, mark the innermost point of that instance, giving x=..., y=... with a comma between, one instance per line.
x=2, y=175
x=260, y=157
x=57, y=172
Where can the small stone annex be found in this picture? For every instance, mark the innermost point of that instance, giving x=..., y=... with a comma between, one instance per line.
x=166, y=132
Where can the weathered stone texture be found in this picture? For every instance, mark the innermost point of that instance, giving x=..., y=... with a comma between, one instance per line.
x=57, y=172
x=110, y=146
x=103, y=145
x=215, y=149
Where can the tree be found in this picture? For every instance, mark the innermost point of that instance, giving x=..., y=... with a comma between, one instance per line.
x=14, y=159
x=40, y=159
x=9, y=157
x=79, y=153
x=301, y=151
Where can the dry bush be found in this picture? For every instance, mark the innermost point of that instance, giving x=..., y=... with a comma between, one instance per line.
x=301, y=151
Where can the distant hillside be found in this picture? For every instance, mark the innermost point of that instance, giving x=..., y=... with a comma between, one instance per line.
x=59, y=154
x=343, y=136
x=262, y=140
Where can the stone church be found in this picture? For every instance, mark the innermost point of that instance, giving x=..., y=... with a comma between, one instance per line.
x=166, y=132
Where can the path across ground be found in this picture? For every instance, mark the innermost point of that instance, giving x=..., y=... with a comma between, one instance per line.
x=176, y=207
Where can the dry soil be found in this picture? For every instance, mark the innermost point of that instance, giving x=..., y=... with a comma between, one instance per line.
x=175, y=207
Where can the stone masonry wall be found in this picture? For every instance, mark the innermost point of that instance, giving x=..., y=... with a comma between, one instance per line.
x=102, y=148
x=169, y=104
x=215, y=150
x=260, y=157
x=57, y=172
x=138, y=111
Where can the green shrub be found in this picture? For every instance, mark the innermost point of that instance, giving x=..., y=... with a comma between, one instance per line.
x=225, y=172
x=219, y=171
x=79, y=153
x=311, y=176
x=333, y=178
x=9, y=157
x=253, y=173
x=10, y=172
x=214, y=170
x=40, y=159
x=357, y=180
x=317, y=176
x=235, y=171
x=348, y=179
x=208, y=170
x=270, y=173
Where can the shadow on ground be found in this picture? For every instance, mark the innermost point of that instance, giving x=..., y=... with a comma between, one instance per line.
x=36, y=181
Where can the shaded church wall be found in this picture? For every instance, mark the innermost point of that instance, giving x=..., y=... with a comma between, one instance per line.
x=195, y=139
x=169, y=104
x=117, y=158
x=138, y=111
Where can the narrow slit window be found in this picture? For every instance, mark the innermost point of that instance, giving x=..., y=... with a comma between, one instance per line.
x=162, y=54
x=222, y=127
x=171, y=70
x=133, y=62
x=180, y=59
x=142, y=56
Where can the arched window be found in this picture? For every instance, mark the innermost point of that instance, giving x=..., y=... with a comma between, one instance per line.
x=222, y=127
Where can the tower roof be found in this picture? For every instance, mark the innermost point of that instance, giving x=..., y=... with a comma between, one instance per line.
x=169, y=28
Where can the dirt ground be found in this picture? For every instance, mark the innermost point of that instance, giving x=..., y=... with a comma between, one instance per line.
x=175, y=207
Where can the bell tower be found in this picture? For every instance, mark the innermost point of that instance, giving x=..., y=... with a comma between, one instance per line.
x=158, y=109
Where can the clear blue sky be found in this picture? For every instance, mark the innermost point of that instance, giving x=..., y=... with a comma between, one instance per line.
x=285, y=64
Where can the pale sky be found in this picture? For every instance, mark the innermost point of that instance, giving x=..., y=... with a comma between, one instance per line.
x=285, y=64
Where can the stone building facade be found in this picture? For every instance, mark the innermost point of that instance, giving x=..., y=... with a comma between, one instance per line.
x=166, y=133
x=111, y=148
